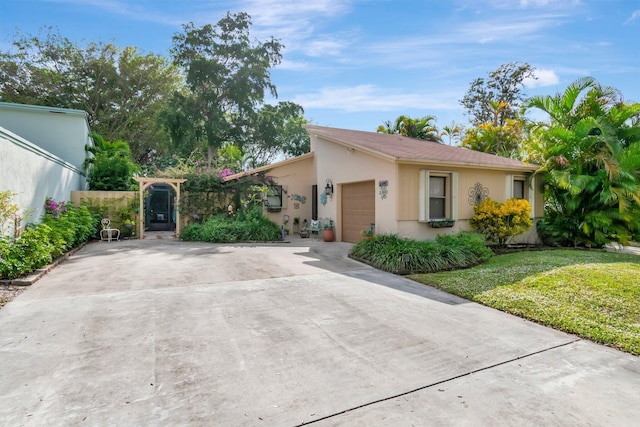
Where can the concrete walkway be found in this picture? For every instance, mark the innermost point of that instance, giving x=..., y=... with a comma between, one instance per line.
x=162, y=332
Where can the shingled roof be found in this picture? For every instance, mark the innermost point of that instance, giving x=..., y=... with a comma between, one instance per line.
x=409, y=150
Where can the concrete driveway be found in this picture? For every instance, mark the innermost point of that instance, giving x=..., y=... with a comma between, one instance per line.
x=162, y=332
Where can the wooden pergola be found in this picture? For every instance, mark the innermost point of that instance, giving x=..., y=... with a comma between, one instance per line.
x=144, y=184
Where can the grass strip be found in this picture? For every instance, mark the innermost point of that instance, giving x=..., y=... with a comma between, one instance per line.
x=592, y=294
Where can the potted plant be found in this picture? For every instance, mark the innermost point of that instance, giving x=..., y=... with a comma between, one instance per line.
x=129, y=228
x=367, y=233
x=328, y=232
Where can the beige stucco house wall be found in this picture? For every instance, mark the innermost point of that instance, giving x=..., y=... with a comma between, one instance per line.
x=297, y=177
x=344, y=165
x=386, y=180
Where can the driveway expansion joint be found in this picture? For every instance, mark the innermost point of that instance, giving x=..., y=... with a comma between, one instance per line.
x=486, y=368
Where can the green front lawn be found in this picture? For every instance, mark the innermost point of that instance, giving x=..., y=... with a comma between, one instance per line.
x=593, y=294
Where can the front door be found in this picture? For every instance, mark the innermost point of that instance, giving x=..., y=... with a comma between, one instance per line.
x=159, y=213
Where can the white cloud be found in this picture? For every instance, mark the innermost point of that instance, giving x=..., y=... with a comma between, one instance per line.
x=635, y=15
x=370, y=98
x=508, y=28
x=530, y=4
x=325, y=48
x=287, y=64
x=139, y=12
x=542, y=78
x=539, y=3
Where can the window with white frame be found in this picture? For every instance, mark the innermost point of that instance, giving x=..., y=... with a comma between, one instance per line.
x=274, y=198
x=516, y=187
x=521, y=187
x=438, y=195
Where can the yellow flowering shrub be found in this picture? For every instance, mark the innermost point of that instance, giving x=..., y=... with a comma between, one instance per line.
x=498, y=222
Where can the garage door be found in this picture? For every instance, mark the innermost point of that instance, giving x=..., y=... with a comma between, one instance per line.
x=358, y=209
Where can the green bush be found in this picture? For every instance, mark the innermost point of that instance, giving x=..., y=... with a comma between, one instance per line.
x=31, y=251
x=404, y=256
x=63, y=227
x=36, y=247
x=245, y=226
x=499, y=222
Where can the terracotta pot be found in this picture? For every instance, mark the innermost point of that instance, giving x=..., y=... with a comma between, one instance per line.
x=328, y=234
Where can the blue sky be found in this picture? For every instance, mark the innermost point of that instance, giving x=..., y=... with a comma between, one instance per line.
x=356, y=63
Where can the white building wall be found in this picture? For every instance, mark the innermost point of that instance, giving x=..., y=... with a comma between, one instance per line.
x=62, y=132
x=35, y=174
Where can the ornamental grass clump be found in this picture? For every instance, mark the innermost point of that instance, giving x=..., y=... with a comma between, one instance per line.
x=405, y=256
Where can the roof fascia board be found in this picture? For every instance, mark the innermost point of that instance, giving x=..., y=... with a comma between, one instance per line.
x=531, y=168
x=346, y=144
x=42, y=109
x=285, y=162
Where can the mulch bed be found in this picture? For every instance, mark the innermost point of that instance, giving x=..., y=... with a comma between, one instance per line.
x=9, y=292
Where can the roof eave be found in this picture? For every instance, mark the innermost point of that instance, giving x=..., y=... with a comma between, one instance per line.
x=361, y=148
x=270, y=166
x=467, y=165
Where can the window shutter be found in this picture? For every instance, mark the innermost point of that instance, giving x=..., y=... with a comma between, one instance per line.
x=423, y=197
x=508, y=187
x=532, y=195
x=454, y=195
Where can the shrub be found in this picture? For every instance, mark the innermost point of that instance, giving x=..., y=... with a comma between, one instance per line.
x=111, y=167
x=31, y=251
x=63, y=227
x=499, y=222
x=246, y=225
x=35, y=247
x=399, y=255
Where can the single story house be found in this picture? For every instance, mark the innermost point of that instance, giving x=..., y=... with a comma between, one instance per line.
x=392, y=183
x=42, y=151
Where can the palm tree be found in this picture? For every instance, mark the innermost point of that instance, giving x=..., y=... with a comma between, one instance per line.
x=419, y=128
x=452, y=132
x=110, y=168
x=107, y=148
x=590, y=164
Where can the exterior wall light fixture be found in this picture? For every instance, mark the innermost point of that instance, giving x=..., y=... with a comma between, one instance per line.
x=328, y=189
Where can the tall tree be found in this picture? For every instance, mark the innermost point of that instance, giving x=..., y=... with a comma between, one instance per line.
x=504, y=87
x=122, y=90
x=227, y=76
x=590, y=156
x=419, y=128
x=278, y=130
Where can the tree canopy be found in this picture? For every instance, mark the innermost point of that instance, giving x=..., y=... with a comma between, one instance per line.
x=122, y=90
x=419, y=128
x=227, y=77
x=497, y=98
x=590, y=156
